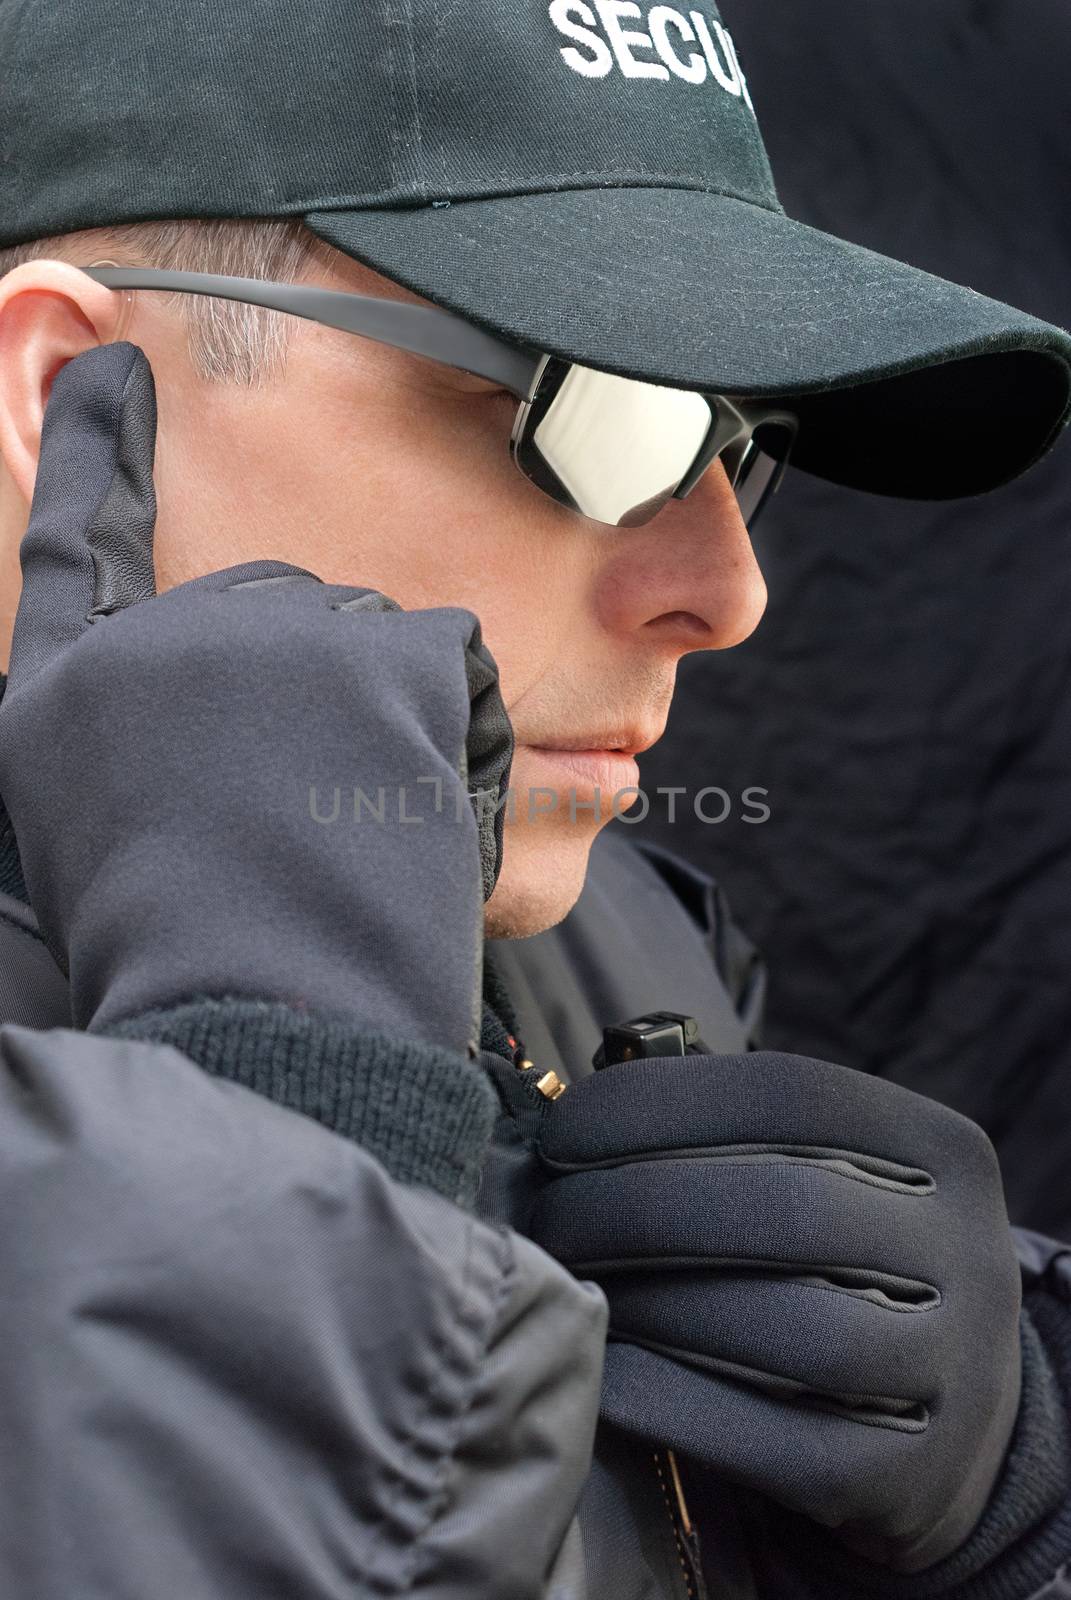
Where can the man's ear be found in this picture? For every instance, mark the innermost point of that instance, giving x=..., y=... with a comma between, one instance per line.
x=50, y=312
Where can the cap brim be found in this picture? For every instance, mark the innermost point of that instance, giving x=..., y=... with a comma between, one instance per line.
x=904, y=383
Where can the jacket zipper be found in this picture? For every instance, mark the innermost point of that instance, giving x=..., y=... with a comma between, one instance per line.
x=548, y=1086
x=541, y=1086
x=684, y=1534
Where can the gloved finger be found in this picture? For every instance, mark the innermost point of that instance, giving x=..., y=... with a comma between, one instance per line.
x=817, y=1340
x=791, y=1267
x=433, y=662
x=801, y=1215
x=842, y=1473
x=247, y=578
x=759, y=1100
x=88, y=549
x=488, y=744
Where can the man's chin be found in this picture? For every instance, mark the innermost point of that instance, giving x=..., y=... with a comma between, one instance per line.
x=538, y=886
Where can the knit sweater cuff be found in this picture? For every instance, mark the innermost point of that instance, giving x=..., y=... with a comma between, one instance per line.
x=424, y=1112
x=1024, y=1532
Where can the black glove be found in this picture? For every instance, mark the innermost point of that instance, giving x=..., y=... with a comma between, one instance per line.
x=812, y=1281
x=170, y=762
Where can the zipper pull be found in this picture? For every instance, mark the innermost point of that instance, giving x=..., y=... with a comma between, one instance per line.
x=549, y=1085
x=678, y=1490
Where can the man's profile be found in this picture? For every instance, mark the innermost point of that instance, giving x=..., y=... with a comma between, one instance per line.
x=319, y=1285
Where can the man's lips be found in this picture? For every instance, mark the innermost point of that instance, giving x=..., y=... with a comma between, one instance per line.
x=602, y=759
x=629, y=741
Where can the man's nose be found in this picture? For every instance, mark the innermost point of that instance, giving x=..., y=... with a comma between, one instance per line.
x=688, y=578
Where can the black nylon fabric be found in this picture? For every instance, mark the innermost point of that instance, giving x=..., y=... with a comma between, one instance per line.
x=907, y=698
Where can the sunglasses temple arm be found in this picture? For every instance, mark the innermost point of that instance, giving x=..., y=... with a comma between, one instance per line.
x=422, y=330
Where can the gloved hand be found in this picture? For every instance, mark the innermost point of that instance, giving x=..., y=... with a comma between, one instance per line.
x=171, y=762
x=812, y=1282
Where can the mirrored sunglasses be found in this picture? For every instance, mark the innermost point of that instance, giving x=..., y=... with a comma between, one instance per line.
x=613, y=449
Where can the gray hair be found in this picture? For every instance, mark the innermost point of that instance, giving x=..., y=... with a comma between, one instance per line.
x=228, y=342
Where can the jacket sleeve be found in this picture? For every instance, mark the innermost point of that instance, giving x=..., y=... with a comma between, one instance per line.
x=241, y=1359
x=1021, y=1547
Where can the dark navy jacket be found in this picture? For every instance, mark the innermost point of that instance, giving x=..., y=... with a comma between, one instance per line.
x=241, y=1360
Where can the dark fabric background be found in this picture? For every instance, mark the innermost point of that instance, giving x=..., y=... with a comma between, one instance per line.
x=907, y=698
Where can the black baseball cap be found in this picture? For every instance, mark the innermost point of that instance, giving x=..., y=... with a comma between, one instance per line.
x=585, y=178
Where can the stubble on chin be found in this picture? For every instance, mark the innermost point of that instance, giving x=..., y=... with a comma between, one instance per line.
x=540, y=882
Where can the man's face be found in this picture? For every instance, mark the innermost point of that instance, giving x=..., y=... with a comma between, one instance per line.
x=376, y=468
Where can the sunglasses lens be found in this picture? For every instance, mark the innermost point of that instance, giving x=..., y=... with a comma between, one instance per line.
x=612, y=448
